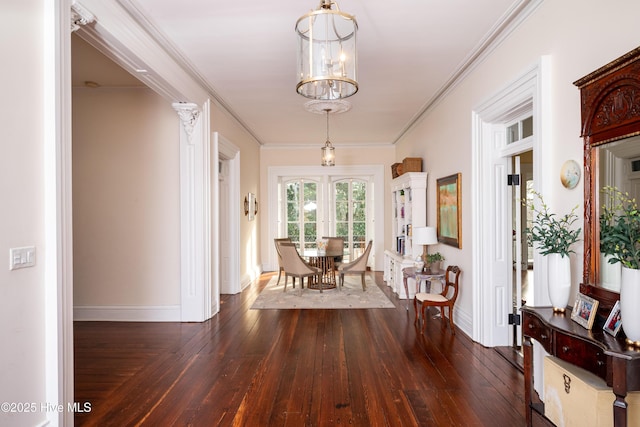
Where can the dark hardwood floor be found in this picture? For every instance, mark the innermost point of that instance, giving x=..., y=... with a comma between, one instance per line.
x=292, y=368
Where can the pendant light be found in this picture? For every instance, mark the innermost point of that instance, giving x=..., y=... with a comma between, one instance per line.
x=327, y=62
x=328, y=152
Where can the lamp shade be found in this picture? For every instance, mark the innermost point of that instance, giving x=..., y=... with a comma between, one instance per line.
x=327, y=60
x=425, y=236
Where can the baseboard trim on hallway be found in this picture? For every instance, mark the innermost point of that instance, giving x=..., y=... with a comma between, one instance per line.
x=119, y=313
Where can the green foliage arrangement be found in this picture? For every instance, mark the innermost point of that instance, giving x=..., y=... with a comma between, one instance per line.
x=552, y=234
x=621, y=235
x=434, y=257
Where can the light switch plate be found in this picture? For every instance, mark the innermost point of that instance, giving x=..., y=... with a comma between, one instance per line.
x=22, y=257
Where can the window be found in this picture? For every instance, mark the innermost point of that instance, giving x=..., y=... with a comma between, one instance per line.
x=302, y=212
x=521, y=129
x=350, y=216
x=308, y=217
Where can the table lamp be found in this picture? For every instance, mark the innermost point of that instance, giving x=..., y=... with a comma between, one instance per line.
x=425, y=236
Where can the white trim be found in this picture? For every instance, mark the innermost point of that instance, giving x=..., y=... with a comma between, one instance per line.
x=195, y=213
x=128, y=313
x=58, y=256
x=528, y=88
x=231, y=153
x=121, y=38
x=275, y=173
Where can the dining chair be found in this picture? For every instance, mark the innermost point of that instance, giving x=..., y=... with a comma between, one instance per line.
x=335, y=245
x=446, y=298
x=295, y=266
x=280, y=267
x=357, y=266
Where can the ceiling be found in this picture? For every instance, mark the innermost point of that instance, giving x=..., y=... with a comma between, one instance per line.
x=409, y=53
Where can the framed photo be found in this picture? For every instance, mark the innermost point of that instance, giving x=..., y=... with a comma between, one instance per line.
x=614, y=321
x=449, y=210
x=584, y=311
x=250, y=206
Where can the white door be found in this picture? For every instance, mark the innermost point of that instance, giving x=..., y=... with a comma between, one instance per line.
x=501, y=241
x=224, y=228
x=516, y=215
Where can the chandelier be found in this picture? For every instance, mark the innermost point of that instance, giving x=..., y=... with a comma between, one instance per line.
x=328, y=152
x=327, y=62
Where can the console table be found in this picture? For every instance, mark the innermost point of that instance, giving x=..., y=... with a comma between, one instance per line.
x=606, y=356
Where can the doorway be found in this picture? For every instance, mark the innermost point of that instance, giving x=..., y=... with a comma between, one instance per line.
x=494, y=124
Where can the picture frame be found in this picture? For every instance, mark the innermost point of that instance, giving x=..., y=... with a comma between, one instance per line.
x=614, y=321
x=584, y=311
x=250, y=206
x=449, y=210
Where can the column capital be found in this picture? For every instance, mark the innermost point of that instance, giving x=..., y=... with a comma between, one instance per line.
x=80, y=16
x=188, y=113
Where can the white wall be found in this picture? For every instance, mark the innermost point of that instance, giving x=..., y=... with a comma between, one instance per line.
x=126, y=201
x=579, y=36
x=22, y=309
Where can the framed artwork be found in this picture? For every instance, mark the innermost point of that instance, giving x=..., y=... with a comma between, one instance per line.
x=250, y=206
x=449, y=210
x=584, y=311
x=614, y=321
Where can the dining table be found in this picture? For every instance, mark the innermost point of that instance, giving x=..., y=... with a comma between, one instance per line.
x=325, y=261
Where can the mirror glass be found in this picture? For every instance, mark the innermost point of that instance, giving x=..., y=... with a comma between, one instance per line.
x=618, y=165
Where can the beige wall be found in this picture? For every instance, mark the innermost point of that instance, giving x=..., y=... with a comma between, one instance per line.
x=345, y=156
x=564, y=30
x=126, y=201
x=22, y=309
x=228, y=128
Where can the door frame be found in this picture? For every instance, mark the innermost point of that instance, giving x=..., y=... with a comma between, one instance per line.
x=112, y=32
x=491, y=300
x=230, y=153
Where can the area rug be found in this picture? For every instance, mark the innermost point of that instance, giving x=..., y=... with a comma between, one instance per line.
x=351, y=296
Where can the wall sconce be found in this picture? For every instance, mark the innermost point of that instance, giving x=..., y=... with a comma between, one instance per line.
x=250, y=206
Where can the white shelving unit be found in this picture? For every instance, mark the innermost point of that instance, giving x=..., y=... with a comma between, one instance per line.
x=408, y=210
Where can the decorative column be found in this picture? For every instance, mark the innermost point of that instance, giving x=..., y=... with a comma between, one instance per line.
x=195, y=213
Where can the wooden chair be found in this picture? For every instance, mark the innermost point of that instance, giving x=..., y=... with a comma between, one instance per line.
x=277, y=243
x=357, y=266
x=442, y=300
x=295, y=266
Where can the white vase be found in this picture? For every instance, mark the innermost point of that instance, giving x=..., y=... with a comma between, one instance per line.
x=559, y=281
x=610, y=273
x=629, y=300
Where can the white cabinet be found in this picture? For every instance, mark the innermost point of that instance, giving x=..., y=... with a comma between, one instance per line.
x=408, y=210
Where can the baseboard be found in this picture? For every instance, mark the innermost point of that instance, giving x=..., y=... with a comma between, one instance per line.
x=462, y=320
x=121, y=313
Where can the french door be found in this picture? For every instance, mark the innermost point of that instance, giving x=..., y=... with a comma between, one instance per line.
x=314, y=207
x=350, y=216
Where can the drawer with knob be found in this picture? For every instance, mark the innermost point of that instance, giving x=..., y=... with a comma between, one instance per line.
x=534, y=328
x=582, y=354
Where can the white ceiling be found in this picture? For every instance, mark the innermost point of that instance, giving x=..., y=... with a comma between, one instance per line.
x=245, y=51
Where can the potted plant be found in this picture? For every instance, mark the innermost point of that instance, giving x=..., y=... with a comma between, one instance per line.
x=554, y=235
x=434, y=261
x=623, y=236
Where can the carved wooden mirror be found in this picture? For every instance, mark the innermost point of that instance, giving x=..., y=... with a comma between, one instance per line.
x=610, y=105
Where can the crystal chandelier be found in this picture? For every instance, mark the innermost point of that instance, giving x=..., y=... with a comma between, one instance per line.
x=327, y=62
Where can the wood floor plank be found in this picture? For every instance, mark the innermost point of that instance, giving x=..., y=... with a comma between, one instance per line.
x=292, y=368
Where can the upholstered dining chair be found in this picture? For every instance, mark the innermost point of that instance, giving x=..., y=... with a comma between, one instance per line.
x=446, y=298
x=277, y=243
x=295, y=266
x=335, y=244
x=357, y=266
